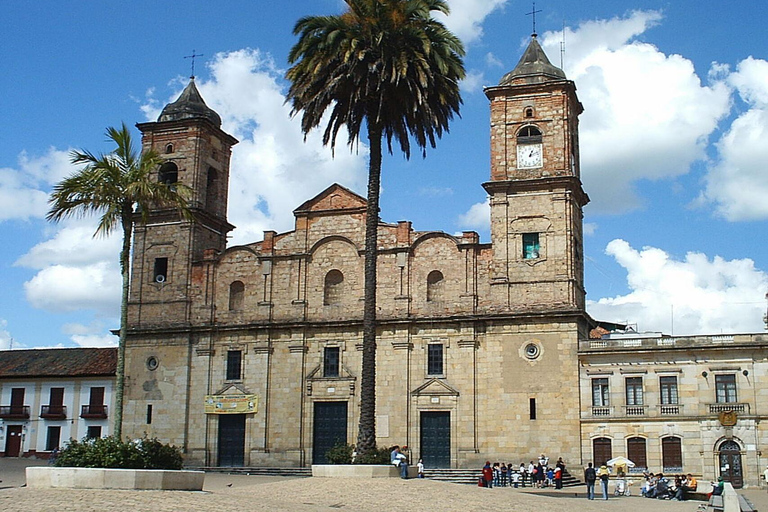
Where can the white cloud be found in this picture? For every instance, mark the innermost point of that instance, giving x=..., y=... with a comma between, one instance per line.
x=691, y=296
x=478, y=216
x=737, y=183
x=94, y=335
x=5, y=335
x=73, y=245
x=61, y=288
x=273, y=169
x=590, y=228
x=647, y=115
x=436, y=191
x=467, y=17
x=473, y=81
x=492, y=61
x=24, y=191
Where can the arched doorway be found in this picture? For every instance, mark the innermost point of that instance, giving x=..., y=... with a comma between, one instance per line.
x=729, y=458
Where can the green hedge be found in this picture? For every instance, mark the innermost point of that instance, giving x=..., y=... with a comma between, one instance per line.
x=341, y=453
x=110, y=452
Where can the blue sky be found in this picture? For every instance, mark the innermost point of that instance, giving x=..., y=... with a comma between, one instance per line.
x=674, y=140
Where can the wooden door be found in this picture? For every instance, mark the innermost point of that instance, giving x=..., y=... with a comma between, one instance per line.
x=13, y=441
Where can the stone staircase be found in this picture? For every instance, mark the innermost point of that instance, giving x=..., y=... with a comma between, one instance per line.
x=456, y=476
x=259, y=471
x=471, y=476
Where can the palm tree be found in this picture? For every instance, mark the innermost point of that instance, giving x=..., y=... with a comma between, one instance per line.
x=119, y=186
x=390, y=65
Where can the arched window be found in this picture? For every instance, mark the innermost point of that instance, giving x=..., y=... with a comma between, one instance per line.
x=671, y=455
x=332, y=291
x=529, y=135
x=435, y=286
x=529, y=112
x=168, y=173
x=601, y=450
x=236, y=294
x=211, y=189
x=637, y=454
x=169, y=149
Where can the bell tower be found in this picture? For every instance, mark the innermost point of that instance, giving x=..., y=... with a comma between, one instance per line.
x=535, y=189
x=196, y=153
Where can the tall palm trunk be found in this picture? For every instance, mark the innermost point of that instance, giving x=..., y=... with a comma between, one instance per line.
x=366, y=437
x=125, y=255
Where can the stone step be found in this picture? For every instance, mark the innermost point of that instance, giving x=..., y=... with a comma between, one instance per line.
x=259, y=471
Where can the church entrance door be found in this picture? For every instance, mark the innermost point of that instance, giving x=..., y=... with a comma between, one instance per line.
x=231, y=440
x=730, y=464
x=436, y=439
x=330, y=427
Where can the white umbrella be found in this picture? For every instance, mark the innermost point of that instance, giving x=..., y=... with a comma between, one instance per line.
x=620, y=461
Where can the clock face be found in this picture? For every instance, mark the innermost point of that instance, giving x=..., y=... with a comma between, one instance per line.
x=529, y=155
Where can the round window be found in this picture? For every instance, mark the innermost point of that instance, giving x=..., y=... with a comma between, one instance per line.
x=532, y=351
x=152, y=363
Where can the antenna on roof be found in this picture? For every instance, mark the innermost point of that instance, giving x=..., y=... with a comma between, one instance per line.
x=562, y=47
x=533, y=13
x=193, y=61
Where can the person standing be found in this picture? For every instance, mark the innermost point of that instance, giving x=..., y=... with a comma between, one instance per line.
x=403, y=463
x=603, y=474
x=487, y=475
x=765, y=476
x=420, y=467
x=590, y=475
x=558, y=477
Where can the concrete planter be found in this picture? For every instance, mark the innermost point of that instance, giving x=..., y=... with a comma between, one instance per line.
x=360, y=471
x=100, y=478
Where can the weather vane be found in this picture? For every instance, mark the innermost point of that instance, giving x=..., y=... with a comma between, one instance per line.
x=201, y=54
x=533, y=13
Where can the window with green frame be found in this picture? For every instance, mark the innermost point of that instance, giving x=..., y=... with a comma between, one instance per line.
x=530, y=246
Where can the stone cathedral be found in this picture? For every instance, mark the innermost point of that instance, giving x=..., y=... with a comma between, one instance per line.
x=251, y=355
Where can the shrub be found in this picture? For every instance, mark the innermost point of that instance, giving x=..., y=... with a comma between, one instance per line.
x=111, y=452
x=378, y=456
x=341, y=453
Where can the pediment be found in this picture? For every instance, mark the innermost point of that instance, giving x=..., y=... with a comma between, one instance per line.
x=317, y=373
x=233, y=389
x=435, y=387
x=334, y=198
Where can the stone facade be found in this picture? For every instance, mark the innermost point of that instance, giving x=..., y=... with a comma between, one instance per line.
x=251, y=355
x=701, y=395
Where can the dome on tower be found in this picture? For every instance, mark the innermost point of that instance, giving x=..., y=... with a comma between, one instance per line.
x=534, y=67
x=190, y=105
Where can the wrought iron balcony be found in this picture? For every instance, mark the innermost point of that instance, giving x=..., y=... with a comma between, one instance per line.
x=94, y=412
x=14, y=412
x=53, y=412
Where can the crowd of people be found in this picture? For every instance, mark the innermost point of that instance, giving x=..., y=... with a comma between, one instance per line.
x=536, y=474
x=660, y=487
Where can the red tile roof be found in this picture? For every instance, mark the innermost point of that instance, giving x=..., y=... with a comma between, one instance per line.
x=58, y=362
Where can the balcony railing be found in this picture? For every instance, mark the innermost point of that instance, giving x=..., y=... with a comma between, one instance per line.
x=94, y=412
x=601, y=411
x=14, y=412
x=670, y=409
x=53, y=412
x=635, y=410
x=728, y=406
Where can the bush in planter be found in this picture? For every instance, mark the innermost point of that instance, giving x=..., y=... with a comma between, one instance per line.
x=378, y=456
x=341, y=453
x=110, y=452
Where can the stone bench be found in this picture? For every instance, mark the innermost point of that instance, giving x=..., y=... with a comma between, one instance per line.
x=42, y=477
x=730, y=501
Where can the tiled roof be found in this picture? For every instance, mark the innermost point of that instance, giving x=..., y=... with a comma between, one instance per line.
x=58, y=362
